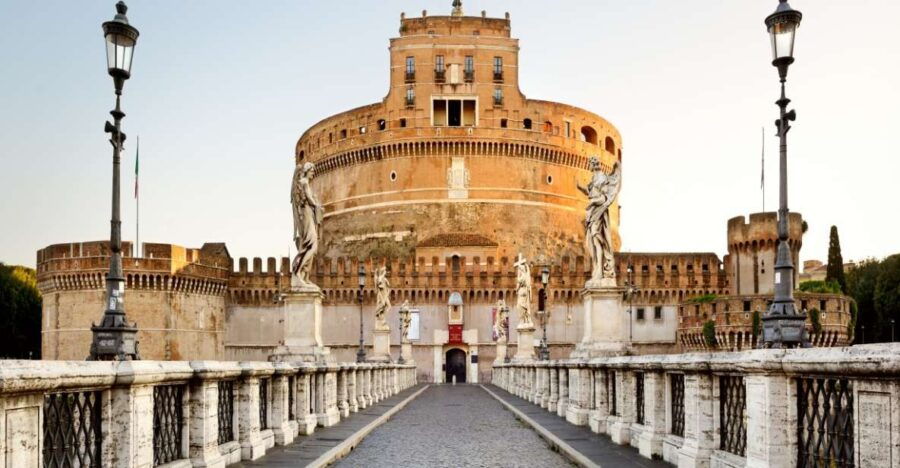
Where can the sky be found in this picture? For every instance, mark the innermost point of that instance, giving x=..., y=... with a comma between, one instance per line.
x=221, y=91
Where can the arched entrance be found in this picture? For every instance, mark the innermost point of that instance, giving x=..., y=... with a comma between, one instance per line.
x=455, y=360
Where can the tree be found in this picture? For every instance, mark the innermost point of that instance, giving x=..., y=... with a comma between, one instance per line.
x=709, y=333
x=875, y=285
x=20, y=313
x=835, y=271
x=887, y=294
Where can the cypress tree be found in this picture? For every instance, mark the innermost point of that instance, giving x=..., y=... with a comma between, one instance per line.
x=835, y=271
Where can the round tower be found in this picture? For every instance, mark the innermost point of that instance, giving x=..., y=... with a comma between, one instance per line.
x=455, y=150
x=752, y=247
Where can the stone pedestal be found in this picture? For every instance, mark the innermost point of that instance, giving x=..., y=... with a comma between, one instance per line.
x=605, y=323
x=525, y=346
x=501, y=353
x=301, y=322
x=381, y=346
x=406, y=353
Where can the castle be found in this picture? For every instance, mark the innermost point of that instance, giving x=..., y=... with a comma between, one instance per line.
x=445, y=180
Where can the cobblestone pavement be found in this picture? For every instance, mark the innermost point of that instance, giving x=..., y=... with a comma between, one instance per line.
x=453, y=426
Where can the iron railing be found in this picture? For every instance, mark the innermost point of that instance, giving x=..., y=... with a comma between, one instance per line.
x=263, y=404
x=733, y=414
x=292, y=387
x=168, y=422
x=824, y=422
x=226, y=411
x=677, y=404
x=469, y=76
x=439, y=76
x=639, y=396
x=72, y=432
x=611, y=392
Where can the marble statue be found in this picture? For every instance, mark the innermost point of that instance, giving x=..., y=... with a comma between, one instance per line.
x=405, y=320
x=500, y=321
x=523, y=292
x=308, y=215
x=382, y=298
x=601, y=192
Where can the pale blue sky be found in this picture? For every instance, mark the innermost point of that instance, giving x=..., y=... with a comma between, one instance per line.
x=221, y=90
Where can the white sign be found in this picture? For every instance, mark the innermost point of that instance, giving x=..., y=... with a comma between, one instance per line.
x=777, y=277
x=413, y=324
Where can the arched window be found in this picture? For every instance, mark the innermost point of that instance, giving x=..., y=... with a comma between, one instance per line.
x=527, y=124
x=610, y=145
x=343, y=134
x=548, y=126
x=454, y=262
x=589, y=135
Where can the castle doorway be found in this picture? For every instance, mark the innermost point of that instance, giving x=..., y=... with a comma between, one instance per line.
x=455, y=360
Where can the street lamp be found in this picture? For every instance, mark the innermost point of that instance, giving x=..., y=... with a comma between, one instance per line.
x=782, y=325
x=361, y=277
x=114, y=338
x=630, y=291
x=544, y=351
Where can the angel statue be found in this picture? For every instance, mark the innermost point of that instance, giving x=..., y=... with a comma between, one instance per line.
x=601, y=192
x=500, y=321
x=523, y=292
x=382, y=298
x=307, y=221
x=405, y=320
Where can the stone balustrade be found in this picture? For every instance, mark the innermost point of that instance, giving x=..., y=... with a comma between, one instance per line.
x=175, y=413
x=758, y=408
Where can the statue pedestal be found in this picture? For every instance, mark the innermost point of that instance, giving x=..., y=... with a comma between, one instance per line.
x=525, y=345
x=605, y=323
x=381, y=346
x=301, y=321
x=501, y=352
x=406, y=353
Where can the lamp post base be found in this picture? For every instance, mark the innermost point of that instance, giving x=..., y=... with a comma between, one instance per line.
x=780, y=331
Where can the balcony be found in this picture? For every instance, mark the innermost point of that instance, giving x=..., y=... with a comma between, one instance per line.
x=410, y=102
x=498, y=77
x=469, y=76
x=410, y=76
x=498, y=101
x=440, y=76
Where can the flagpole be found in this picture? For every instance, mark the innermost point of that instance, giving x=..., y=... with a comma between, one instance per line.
x=763, y=176
x=137, y=201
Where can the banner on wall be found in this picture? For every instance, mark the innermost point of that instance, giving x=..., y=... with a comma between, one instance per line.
x=413, y=324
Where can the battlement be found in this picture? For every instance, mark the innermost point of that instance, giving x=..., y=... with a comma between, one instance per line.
x=762, y=229
x=83, y=265
x=455, y=25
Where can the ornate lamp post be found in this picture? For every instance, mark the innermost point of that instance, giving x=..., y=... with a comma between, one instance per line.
x=361, y=277
x=114, y=338
x=631, y=289
x=782, y=325
x=544, y=351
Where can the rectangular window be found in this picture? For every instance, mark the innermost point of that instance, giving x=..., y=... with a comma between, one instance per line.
x=568, y=129
x=746, y=306
x=498, y=96
x=454, y=116
x=410, y=68
x=470, y=64
x=439, y=63
x=402, y=123
x=640, y=313
x=498, y=68
x=657, y=312
x=503, y=124
x=469, y=112
x=453, y=112
x=410, y=96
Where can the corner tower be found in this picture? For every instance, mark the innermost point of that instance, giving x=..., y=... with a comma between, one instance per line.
x=456, y=148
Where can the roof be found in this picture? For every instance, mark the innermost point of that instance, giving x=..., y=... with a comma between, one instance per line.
x=457, y=239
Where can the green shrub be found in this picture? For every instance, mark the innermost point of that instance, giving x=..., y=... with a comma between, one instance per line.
x=703, y=299
x=815, y=319
x=826, y=287
x=756, y=322
x=709, y=333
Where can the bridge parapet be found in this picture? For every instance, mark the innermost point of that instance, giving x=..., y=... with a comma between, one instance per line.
x=149, y=413
x=784, y=407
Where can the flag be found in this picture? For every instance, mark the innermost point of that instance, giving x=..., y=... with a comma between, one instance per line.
x=137, y=156
x=762, y=177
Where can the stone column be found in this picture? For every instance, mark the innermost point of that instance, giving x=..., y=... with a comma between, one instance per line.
x=554, y=388
x=771, y=421
x=306, y=415
x=204, y=413
x=545, y=385
x=343, y=405
x=699, y=424
x=252, y=444
x=651, y=439
x=326, y=387
x=600, y=414
x=352, y=398
x=280, y=424
x=563, y=404
x=578, y=411
x=620, y=424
